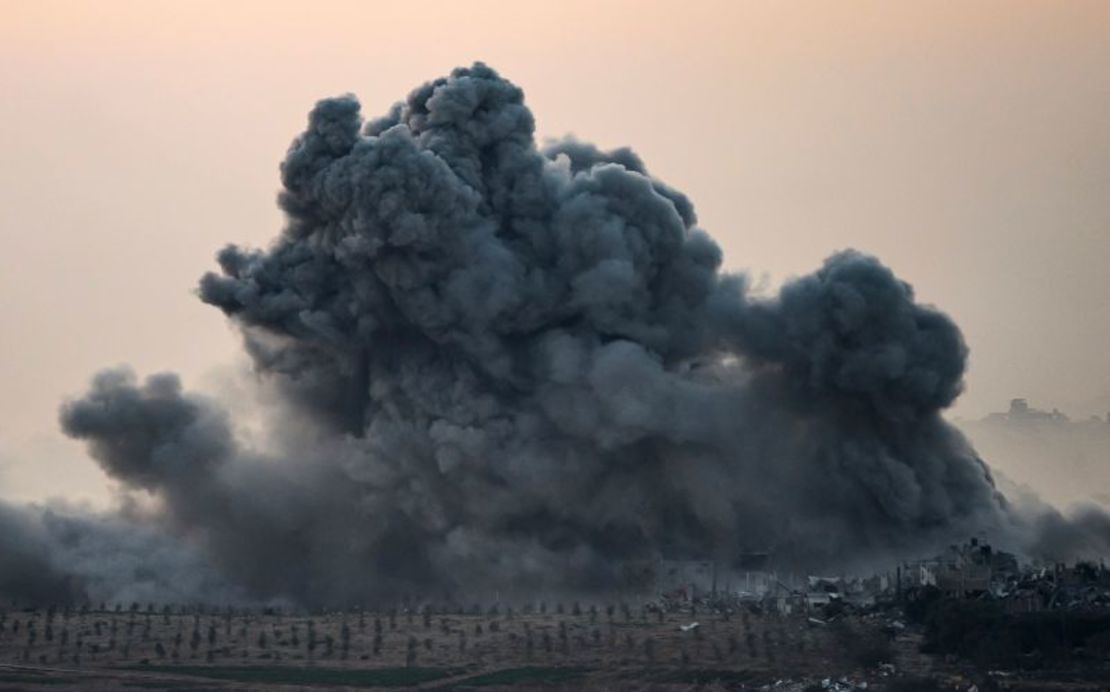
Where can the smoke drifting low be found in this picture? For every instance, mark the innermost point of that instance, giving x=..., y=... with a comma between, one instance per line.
x=518, y=367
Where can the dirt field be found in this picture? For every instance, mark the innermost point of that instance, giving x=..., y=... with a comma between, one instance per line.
x=227, y=650
x=582, y=647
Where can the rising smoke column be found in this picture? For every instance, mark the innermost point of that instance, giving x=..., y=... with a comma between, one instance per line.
x=517, y=367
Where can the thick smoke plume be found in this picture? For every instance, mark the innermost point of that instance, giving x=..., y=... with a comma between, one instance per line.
x=518, y=367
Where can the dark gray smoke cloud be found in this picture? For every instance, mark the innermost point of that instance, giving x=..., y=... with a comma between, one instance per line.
x=522, y=367
x=64, y=555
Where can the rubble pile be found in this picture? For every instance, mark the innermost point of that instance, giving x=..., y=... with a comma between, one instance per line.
x=973, y=571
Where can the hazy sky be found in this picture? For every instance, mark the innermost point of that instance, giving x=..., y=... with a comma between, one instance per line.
x=965, y=143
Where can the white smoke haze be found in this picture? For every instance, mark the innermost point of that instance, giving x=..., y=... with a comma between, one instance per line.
x=501, y=366
x=1067, y=460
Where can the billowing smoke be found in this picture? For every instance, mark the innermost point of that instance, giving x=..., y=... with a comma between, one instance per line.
x=64, y=555
x=519, y=368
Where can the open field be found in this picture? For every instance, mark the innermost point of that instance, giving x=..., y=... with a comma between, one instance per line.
x=227, y=650
x=581, y=647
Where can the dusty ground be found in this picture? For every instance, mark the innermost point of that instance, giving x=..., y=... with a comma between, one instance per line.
x=577, y=649
x=99, y=649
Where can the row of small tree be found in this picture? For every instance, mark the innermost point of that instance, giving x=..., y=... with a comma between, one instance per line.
x=228, y=632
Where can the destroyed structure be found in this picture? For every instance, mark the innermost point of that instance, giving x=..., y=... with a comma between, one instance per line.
x=973, y=570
